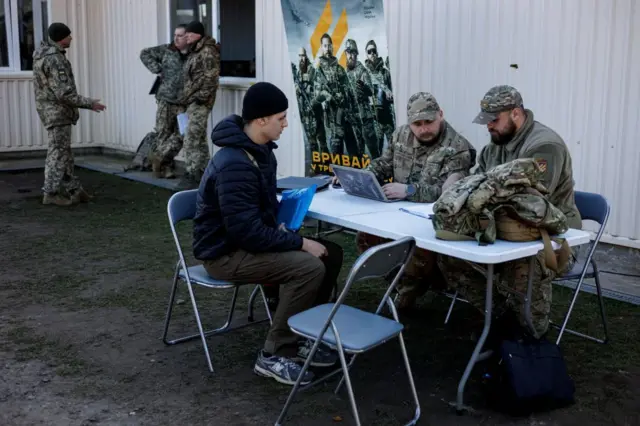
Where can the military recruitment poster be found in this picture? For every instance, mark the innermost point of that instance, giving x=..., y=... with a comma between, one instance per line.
x=340, y=66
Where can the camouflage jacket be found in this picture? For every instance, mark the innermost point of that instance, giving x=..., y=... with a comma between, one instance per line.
x=408, y=161
x=360, y=73
x=168, y=61
x=535, y=140
x=468, y=208
x=56, y=95
x=331, y=84
x=202, y=73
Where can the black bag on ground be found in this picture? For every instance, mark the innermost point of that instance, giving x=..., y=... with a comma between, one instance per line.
x=528, y=375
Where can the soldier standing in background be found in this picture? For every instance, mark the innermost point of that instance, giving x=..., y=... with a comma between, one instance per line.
x=383, y=95
x=363, y=90
x=201, y=77
x=57, y=102
x=313, y=110
x=167, y=61
x=332, y=90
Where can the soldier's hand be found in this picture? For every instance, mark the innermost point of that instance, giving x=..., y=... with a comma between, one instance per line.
x=97, y=106
x=395, y=191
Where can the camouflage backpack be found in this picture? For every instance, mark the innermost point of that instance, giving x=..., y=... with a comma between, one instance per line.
x=141, y=160
x=508, y=202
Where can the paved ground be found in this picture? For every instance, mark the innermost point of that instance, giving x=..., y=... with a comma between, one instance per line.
x=82, y=299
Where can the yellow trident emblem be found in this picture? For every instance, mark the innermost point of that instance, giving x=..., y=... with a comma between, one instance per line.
x=337, y=36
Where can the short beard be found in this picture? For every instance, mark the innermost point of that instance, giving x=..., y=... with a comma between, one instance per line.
x=505, y=136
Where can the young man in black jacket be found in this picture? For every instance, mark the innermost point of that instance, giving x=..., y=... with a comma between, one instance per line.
x=237, y=236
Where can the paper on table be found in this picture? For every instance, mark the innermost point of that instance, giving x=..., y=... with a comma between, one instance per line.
x=183, y=120
x=422, y=210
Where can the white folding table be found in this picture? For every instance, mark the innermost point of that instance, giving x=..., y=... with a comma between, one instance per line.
x=388, y=221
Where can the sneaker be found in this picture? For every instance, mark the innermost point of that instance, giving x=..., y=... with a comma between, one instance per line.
x=284, y=370
x=324, y=356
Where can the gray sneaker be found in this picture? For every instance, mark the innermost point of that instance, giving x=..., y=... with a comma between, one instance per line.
x=324, y=356
x=284, y=370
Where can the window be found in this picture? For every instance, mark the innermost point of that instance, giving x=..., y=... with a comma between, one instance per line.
x=235, y=29
x=23, y=23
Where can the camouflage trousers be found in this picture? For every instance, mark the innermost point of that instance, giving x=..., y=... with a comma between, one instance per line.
x=470, y=281
x=196, y=151
x=169, y=140
x=59, y=167
x=419, y=274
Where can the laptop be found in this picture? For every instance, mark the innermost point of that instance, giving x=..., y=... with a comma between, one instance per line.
x=295, y=182
x=361, y=183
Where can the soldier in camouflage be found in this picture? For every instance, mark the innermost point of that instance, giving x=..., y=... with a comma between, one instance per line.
x=515, y=134
x=202, y=74
x=167, y=61
x=57, y=102
x=423, y=157
x=381, y=78
x=331, y=88
x=363, y=91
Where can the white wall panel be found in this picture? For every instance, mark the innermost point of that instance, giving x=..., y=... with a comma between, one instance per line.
x=20, y=128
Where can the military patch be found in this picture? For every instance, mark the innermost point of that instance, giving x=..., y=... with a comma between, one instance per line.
x=542, y=163
x=210, y=63
x=62, y=76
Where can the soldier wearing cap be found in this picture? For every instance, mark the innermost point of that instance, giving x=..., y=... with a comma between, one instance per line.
x=362, y=88
x=515, y=134
x=424, y=156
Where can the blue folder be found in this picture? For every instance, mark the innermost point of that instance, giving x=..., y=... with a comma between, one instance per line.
x=294, y=206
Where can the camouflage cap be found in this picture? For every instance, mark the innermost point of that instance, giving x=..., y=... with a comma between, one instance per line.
x=351, y=46
x=496, y=100
x=422, y=106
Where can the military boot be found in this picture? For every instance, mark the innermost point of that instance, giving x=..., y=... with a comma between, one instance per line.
x=156, y=166
x=80, y=196
x=56, y=200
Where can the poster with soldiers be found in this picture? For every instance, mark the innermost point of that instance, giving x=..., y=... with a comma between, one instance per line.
x=340, y=65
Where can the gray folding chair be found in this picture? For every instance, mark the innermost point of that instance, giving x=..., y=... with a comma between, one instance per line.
x=182, y=207
x=354, y=331
x=593, y=207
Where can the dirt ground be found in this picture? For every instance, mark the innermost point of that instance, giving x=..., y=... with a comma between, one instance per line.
x=82, y=301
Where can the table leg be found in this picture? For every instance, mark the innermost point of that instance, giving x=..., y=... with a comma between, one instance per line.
x=475, y=357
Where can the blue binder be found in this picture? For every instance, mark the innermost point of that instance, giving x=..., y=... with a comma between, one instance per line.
x=294, y=206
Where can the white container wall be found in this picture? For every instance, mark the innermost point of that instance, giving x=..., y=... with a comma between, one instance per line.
x=574, y=62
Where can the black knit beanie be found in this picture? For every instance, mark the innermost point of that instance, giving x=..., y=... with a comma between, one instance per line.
x=58, y=31
x=263, y=100
x=195, y=27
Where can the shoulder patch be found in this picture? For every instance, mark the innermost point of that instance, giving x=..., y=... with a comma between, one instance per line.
x=62, y=75
x=542, y=163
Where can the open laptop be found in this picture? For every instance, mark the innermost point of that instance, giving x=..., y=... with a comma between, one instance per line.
x=361, y=183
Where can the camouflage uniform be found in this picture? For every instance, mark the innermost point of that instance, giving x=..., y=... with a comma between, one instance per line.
x=57, y=102
x=408, y=161
x=381, y=78
x=533, y=140
x=331, y=88
x=202, y=74
x=362, y=88
x=168, y=61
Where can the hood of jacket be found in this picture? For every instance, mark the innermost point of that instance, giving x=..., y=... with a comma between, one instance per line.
x=230, y=132
x=46, y=48
x=205, y=41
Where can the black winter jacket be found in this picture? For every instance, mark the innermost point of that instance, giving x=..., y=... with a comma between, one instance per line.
x=237, y=205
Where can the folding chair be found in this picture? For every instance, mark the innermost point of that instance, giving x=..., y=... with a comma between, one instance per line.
x=593, y=207
x=354, y=331
x=182, y=207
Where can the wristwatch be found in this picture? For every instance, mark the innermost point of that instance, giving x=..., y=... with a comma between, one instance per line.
x=411, y=190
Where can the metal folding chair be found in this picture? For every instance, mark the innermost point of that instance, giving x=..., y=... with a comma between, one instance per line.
x=593, y=207
x=354, y=331
x=182, y=207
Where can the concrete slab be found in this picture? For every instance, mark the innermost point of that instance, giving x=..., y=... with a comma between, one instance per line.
x=19, y=165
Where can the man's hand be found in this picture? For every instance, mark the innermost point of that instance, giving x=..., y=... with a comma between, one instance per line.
x=314, y=248
x=97, y=106
x=395, y=191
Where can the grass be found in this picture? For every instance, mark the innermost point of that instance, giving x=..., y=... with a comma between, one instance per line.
x=109, y=264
